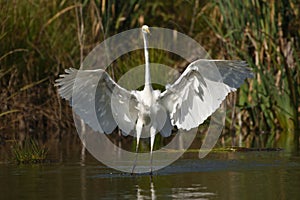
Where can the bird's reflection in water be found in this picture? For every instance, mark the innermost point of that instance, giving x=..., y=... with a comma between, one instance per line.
x=153, y=196
x=195, y=191
x=144, y=194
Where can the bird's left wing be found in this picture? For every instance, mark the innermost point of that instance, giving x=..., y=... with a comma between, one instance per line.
x=98, y=100
x=200, y=90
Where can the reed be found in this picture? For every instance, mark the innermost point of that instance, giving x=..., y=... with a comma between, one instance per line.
x=264, y=34
x=39, y=39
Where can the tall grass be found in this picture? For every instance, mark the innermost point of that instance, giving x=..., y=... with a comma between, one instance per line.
x=266, y=35
x=37, y=49
x=39, y=39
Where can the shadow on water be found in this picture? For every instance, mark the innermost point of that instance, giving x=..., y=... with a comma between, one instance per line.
x=222, y=175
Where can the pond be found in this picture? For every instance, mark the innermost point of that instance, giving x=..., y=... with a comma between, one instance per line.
x=223, y=175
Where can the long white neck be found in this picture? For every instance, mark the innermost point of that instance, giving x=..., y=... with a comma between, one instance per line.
x=147, y=67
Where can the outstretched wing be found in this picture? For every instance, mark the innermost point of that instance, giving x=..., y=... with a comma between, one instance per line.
x=98, y=100
x=200, y=90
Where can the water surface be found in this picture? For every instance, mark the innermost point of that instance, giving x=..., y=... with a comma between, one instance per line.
x=230, y=175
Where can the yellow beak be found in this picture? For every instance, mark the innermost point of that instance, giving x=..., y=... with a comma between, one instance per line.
x=147, y=30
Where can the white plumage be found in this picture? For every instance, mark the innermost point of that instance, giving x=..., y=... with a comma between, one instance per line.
x=186, y=103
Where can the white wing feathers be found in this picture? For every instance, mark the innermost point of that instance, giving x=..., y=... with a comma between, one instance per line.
x=200, y=90
x=91, y=92
x=191, y=99
x=233, y=72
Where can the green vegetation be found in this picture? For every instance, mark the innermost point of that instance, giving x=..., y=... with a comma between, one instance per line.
x=38, y=39
x=266, y=35
x=29, y=152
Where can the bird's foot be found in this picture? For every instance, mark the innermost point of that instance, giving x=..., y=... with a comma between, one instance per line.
x=151, y=176
x=151, y=172
x=132, y=172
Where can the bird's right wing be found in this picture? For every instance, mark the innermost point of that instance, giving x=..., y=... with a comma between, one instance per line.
x=200, y=90
x=98, y=100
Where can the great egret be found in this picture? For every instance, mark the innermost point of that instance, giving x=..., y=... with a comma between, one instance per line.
x=185, y=104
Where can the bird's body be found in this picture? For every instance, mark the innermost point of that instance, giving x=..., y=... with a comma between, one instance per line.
x=185, y=104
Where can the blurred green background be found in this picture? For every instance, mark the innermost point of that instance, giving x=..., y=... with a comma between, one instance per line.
x=40, y=38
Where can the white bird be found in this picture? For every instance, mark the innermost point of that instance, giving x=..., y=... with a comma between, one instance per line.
x=186, y=103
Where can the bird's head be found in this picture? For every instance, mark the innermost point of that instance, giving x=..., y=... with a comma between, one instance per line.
x=145, y=29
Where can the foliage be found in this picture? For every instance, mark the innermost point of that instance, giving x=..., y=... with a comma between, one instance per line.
x=39, y=39
x=266, y=35
x=30, y=152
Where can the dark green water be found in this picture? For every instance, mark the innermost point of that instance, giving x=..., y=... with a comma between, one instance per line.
x=235, y=175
